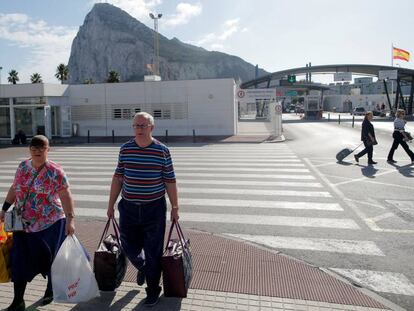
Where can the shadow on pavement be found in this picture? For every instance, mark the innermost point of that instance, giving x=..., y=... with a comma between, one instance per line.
x=105, y=302
x=368, y=171
x=343, y=163
x=405, y=170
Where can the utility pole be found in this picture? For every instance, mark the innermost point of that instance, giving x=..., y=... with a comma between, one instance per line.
x=156, y=61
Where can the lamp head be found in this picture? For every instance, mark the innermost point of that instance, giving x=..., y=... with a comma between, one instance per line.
x=152, y=15
x=159, y=15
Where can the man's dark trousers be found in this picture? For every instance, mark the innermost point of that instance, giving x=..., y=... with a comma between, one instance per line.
x=143, y=226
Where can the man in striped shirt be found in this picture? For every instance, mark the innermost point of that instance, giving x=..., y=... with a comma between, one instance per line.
x=144, y=173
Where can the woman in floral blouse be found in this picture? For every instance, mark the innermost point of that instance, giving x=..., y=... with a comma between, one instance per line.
x=41, y=190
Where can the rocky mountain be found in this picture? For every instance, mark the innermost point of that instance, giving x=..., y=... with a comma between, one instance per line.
x=111, y=39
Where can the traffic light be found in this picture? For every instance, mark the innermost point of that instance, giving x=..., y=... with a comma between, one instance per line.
x=291, y=78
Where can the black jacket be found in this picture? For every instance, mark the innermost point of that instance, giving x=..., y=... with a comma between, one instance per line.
x=367, y=128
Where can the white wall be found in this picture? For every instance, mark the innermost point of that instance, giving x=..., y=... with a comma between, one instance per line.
x=208, y=106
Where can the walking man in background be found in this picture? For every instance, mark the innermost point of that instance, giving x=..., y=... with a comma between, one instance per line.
x=144, y=173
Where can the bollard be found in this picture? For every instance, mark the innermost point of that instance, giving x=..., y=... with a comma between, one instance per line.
x=339, y=119
x=166, y=136
x=113, y=136
x=88, y=136
x=353, y=121
x=329, y=117
x=194, y=136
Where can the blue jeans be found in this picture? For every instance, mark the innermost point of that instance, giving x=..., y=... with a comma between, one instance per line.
x=142, y=226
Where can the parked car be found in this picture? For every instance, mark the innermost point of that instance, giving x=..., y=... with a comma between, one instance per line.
x=358, y=111
x=379, y=113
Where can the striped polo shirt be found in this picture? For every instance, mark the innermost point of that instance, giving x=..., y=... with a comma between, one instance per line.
x=144, y=171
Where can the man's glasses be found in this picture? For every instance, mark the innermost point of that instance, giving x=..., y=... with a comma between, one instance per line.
x=41, y=149
x=141, y=126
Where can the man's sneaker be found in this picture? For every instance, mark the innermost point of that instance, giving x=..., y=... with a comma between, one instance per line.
x=372, y=162
x=151, y=300
x=391, y=161
x=140, y=277
x=356, y=158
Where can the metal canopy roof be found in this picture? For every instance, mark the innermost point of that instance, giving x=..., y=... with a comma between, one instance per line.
x=404, y=74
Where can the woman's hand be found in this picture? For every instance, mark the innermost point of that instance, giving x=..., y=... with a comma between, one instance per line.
x=70, y=226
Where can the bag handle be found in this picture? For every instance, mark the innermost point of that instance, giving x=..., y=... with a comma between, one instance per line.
x=179, y=232
x=116, y=230
x=104, y=232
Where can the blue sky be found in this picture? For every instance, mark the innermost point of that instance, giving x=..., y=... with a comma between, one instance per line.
x=36, y=35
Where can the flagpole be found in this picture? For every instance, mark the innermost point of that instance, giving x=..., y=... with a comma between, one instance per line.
x=392, y=54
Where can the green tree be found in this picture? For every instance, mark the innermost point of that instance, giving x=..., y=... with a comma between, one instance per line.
x=13, y=76
x=113, y=77
x=62, y=73
x=36, y=78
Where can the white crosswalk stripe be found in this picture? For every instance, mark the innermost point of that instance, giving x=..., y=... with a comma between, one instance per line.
x=260, y=193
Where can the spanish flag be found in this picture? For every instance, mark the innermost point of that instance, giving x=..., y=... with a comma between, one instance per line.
x=400, y=54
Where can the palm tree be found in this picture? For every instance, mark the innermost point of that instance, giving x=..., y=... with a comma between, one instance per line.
x=13, y=76
x=113, y=77
x=62, y=72
x=36, y=78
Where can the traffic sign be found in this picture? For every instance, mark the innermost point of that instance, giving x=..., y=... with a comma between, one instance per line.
x=291, y=78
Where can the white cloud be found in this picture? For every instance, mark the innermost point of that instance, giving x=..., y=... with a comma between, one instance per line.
x=49, y=45
x=215, y=41
x=185, y=11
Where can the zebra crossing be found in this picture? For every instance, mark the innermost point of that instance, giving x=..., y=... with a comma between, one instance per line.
x=261, y=193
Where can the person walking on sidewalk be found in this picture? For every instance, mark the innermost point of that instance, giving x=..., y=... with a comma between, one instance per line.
x=144, y=172
x=400, y=137
x=368, y=137
x=41, y=189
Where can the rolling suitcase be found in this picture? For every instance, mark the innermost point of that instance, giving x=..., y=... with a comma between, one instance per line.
x=345, y=152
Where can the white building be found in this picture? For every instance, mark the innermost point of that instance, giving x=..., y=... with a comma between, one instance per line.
x=206, y=106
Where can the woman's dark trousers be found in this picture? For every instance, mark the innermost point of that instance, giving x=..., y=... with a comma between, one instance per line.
x=399, y=140
x=368, y=149
x=142, y=226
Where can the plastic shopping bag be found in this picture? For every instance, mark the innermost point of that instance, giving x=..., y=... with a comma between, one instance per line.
x=6, y=242
x=72, y=276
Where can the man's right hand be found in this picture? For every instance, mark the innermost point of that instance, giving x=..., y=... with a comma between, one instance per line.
x=2, y=216
x=110, y=212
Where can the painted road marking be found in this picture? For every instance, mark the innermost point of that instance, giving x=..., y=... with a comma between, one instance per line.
x=368, y=248
x=380, y=281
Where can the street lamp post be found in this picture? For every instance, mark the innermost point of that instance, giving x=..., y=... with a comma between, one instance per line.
x=156, y=61
x=0, y=73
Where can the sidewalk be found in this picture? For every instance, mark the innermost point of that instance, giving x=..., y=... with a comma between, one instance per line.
x=228, y=275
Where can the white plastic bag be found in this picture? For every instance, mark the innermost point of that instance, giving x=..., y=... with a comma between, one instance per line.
x=72, y=277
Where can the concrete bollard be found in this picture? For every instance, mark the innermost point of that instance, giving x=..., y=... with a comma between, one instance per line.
x=194, y=136
x=89, y=135
x=113, y=136
x=353, y=121
x=339, y=119
x=166, y=136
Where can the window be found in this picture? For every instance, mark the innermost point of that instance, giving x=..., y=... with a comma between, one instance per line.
x=157, y=114
x=166, y=114
x=126, y=114
x=117, y=113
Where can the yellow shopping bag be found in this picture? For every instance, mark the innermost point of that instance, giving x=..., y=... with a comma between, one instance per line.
x=6, y=241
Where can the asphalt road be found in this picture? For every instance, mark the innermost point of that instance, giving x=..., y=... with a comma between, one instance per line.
x=379, y=197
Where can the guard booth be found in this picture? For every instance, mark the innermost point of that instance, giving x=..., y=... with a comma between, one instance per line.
x=313, y=107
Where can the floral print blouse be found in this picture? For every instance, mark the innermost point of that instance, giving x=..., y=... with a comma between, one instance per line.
x=43, y=206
